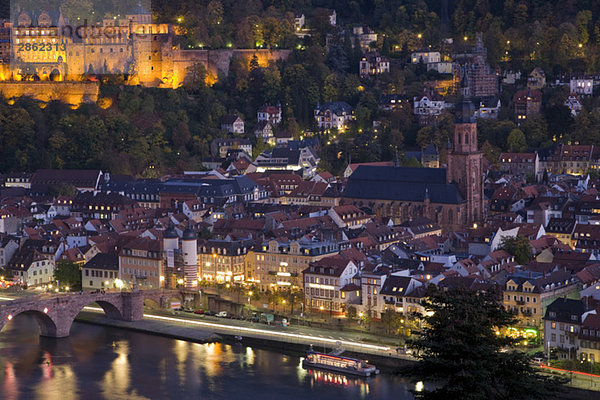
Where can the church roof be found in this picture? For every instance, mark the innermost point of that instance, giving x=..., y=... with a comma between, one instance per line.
x=402, y=184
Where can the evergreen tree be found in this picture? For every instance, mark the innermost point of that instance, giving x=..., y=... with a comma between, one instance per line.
x=461, y=354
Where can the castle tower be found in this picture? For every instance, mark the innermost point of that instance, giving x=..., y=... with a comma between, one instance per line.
x=465, y=160
x=189, y=250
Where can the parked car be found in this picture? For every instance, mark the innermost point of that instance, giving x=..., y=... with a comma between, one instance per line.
x=221, y=314
x=199, y=311
x=209, y=313
x=190, y=310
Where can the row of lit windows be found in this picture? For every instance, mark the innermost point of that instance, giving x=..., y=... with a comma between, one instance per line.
x=139, y=272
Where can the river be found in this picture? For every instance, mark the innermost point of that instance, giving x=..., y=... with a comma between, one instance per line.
x=97, y=362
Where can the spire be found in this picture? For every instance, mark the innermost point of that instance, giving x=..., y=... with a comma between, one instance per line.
x=465, y=84
x=465, y=111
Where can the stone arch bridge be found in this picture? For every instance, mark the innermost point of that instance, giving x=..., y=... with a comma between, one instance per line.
x=55, y=313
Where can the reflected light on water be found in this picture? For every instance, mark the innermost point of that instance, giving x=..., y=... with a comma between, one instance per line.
x=63, y=384
x=249, y=356
x=117, y=378
x=181, y=350
x=339, y=380
x=105, y=363
x=300, y=371
x=10, y=388
x=419, y=386
x=47, y=366
x=212, y=365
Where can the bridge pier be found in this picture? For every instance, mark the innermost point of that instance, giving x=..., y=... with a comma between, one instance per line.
x=132, y=308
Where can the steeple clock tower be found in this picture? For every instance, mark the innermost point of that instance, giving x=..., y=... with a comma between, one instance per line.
x=465, y=160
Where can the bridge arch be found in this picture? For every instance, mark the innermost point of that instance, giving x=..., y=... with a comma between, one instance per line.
x=162, y=299
x=112, y=307
x=47, y=325
x=111, y=310
x=152, y=304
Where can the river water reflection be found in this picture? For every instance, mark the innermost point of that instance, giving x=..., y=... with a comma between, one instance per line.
x=104, y=363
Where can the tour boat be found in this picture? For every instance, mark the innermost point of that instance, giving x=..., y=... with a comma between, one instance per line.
x=337, y=363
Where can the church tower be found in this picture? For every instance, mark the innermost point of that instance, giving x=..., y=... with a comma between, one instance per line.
x=465, y=167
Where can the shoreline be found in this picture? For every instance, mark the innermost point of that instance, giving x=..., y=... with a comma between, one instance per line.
x=152, y=328
x=199, y=335
x=202, y=335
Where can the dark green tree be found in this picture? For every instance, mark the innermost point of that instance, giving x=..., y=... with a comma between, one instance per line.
x=517, y=246
x=68, y=274
x=391, y=320
x=462, y=356
x=516, y=141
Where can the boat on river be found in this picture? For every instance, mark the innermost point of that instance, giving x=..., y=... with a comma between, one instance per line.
x=338, y=363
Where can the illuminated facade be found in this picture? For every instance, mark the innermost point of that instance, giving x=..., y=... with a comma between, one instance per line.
x=46, y=46
x=223, y=261
x=276, y=265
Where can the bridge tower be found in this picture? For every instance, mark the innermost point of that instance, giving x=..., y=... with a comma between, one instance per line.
x=189, y=249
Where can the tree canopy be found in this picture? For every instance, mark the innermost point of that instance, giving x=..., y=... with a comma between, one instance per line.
x=462, y=355
x=68, y=274
x=517, y=246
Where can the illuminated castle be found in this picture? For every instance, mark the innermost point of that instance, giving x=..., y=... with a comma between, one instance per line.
x=46, y=47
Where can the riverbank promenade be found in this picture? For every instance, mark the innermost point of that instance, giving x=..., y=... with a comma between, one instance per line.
x=203, y=328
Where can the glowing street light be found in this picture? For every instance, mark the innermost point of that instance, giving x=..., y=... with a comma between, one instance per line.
x=419, y=35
